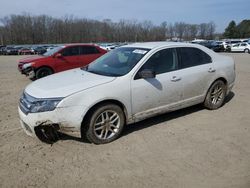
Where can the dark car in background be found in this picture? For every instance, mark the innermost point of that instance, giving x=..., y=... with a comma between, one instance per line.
x=2, y=47
x=59, y=59
x=40, y=50
x=213, y=45
x=10, y=50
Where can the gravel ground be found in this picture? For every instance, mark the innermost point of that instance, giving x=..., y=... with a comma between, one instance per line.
x=193, y=147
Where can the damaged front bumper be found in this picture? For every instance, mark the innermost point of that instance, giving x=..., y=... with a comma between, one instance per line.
x=46, y=125
x=27, y=70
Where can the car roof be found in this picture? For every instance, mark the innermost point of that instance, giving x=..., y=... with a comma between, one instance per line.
x=79, y=44
x=153, y=45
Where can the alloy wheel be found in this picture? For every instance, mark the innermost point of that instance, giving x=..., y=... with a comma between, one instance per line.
x=216, y=94
x=107, y=124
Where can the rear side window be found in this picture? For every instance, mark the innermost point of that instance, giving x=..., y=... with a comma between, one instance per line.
x=71, y=51
x=192, y=57
x=86, y=50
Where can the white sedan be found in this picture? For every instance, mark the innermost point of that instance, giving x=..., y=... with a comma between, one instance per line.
x=241, y=47
x=124, y=86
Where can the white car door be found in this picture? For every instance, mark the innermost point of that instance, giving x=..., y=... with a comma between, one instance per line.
x=197, y=72
x=154, y=95
x=242, y=47
x=235, y=48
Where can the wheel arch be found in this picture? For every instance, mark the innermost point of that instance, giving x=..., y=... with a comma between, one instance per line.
x=44, y=66
x=222, y=79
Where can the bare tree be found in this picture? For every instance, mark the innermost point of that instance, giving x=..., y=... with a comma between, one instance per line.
x=27, y=29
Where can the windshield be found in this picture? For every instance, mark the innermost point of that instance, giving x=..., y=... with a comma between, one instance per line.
x=117, y=62
x=52, y=51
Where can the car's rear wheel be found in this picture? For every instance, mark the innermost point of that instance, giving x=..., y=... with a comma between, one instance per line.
x=215, y=95
x=105, y=124
x=246, y=50
x=43, y=71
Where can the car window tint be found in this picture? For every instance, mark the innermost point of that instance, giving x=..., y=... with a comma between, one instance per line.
x=162, y=61
x=193, y=57
x=243, y=44
x=85, y=50
x=71, y=51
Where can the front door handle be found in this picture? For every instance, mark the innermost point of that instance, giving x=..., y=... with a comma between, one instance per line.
x=175, y=79
x=210, y=70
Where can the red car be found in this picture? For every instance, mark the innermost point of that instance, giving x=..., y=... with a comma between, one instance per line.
x=59, y=59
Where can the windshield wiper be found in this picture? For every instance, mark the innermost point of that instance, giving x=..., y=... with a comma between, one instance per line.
x=86, y=68
x=104, y=73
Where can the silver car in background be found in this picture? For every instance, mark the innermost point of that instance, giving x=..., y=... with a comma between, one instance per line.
x=124, y=86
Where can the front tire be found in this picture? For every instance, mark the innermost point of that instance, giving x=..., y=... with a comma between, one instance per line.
x=42, y=72
x=105, y=124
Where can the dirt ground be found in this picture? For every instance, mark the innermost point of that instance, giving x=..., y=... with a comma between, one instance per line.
x=193, y=147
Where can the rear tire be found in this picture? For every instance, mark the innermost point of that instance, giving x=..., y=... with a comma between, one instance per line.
x=104, y=124
x=246, y=51
x=216, y=95
x=42, y=72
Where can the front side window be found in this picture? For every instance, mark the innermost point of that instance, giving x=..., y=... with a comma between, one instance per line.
x=243, y=44
x=162, y=61
x=192, y=57
x=70, y=51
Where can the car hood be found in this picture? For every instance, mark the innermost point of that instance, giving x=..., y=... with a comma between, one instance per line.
x=32, y=59
x=65, y=83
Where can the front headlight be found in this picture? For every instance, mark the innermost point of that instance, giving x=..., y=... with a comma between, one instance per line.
x=44, y=105
x=29, y=104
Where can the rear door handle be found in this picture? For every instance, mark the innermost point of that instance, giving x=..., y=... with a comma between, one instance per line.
x=175, y=79
x=210, y=70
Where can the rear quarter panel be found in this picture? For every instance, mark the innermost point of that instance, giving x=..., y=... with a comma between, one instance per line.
x=225, y=67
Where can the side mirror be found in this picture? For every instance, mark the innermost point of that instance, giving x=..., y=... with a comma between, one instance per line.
x=146, y=73
x=58, y=55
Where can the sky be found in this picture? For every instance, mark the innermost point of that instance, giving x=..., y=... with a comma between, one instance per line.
x=221, y=12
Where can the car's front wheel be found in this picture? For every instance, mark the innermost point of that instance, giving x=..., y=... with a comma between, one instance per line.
x=215, y=95
x=43, y=71
x=104, y=124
